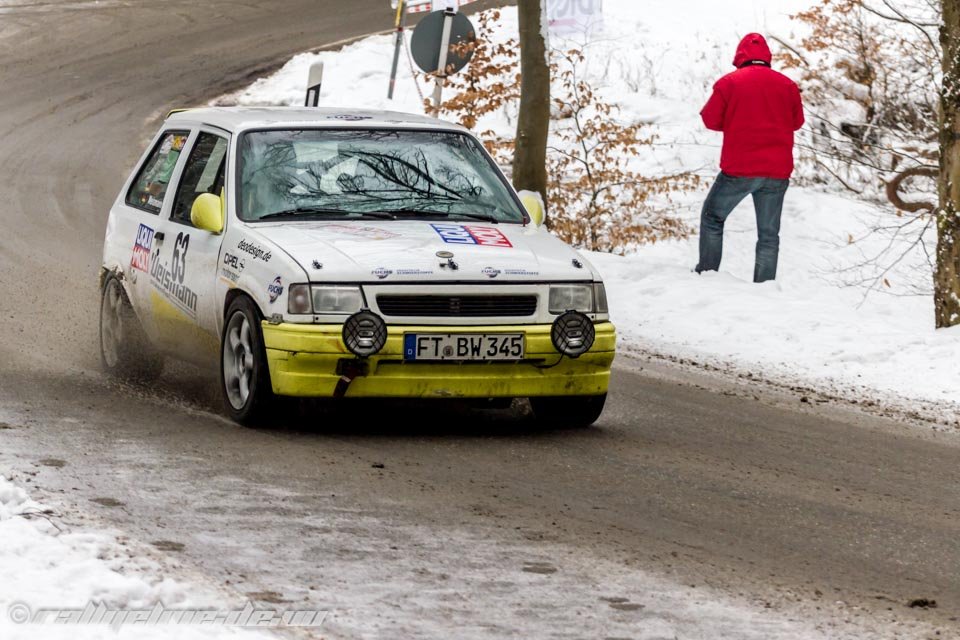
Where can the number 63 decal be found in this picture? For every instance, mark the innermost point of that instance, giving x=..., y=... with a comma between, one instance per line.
x=179, y=267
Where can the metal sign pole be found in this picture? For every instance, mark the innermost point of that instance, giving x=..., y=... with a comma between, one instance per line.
x=448, y=15
x=313, y=85
x=401, y=23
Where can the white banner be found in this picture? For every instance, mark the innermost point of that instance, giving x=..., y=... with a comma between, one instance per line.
x=422, y=6
x=573, y=18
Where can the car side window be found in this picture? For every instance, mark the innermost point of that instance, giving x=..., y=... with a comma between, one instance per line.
x=203, y=173
x=150, y=187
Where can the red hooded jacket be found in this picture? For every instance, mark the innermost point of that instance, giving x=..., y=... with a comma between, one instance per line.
x=757, y=109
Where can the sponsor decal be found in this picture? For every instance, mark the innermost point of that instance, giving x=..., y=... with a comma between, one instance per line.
x=471, y=234
x=234, y=262
x=350, y=118
x=275, y=289
x=258, y=252
x=490, y=272
x=168, y=278
x=141, y=249
x=414, y=272
x=230, y=277
x=520, y=272
x=381, y=273
x=367, y=233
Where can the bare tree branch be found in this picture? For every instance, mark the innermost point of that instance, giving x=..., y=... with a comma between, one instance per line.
x=791, y=48
x=894, y=185
x=901, y=17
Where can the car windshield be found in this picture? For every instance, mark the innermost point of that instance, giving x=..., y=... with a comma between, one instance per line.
x=337, y=174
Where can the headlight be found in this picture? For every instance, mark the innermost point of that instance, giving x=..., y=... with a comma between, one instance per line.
x=298, y=299
x=337, y=300
x=570, y=297
x=600, y=298
x=322, y=299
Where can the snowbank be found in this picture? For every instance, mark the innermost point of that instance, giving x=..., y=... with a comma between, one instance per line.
x=811, y=326
x=45, y=565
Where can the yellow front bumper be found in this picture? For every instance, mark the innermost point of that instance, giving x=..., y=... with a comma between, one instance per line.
x=303, y=362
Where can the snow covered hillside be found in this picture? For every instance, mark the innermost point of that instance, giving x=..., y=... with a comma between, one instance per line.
x=657, y=61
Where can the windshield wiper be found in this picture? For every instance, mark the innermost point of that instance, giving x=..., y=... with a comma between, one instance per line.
x=382, y=215
x=413, y=213
x=324, y=212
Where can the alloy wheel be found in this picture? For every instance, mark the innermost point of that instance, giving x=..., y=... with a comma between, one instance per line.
x=238, y=360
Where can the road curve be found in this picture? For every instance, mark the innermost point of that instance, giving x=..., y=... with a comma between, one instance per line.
x=812, y=511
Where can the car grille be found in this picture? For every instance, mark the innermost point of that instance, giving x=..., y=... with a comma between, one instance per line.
x=450, y=306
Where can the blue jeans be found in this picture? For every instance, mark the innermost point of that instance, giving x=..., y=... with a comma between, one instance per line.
x=727, y=192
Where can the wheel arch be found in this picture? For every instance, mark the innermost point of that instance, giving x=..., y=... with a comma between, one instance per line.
x=232, y=295
x=116, y=272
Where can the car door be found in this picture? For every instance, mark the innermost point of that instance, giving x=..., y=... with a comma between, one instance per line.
x=185, y=269
x=137, y=216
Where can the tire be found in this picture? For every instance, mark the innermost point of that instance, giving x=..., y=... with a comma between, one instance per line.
x=244, y=373
x=125, y=350
x=569, y=411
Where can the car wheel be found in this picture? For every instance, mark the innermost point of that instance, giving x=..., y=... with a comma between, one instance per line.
x=125, y=350
x=244, y=374
x=571, y=411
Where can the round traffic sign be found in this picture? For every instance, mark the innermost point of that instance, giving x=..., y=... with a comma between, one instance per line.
x=428, y=37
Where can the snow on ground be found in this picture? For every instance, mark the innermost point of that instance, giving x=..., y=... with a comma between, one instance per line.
x=657, y=61
x=41, y=566
x=45, y=564
x=803, y=326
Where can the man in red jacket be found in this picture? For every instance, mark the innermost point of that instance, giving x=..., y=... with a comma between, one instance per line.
x=758, y=110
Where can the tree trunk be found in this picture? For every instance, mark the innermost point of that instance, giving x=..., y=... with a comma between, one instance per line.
x=947, y=277
x=533, y=123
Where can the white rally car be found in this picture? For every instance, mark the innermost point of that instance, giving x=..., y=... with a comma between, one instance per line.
x=321, y=253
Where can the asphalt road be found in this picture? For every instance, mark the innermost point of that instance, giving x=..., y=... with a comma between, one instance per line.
x=818, y=513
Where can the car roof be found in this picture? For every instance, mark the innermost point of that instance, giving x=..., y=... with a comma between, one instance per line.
x=237, y=119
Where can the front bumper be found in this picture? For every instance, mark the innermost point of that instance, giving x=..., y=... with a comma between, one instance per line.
x=304, y=361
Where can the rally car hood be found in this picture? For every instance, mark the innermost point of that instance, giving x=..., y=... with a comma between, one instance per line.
x=415, y=250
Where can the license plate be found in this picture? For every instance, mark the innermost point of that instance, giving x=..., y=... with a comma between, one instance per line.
x=463, y=346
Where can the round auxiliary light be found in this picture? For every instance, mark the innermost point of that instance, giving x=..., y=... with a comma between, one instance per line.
x=573, y=334
x=364, y=333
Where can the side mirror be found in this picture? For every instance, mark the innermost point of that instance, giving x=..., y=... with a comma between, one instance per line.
x=533, y=203
x=207, y=213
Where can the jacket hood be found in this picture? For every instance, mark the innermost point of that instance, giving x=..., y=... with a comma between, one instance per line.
x=752, y=47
